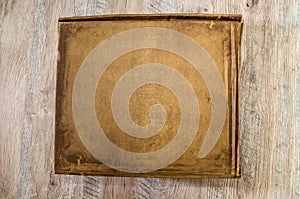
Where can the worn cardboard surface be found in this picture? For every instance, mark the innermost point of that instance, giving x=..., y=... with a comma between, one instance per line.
x=148, y=96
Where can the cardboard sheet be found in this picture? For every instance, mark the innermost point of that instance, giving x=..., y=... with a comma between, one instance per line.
x=148, y=96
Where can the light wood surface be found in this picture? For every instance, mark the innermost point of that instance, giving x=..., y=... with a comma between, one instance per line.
x=270, y=102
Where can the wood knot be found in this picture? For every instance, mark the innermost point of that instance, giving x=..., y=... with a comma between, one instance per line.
x=251, y=3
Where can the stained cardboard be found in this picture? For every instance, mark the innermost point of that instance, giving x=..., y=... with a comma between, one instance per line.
x=148, y=96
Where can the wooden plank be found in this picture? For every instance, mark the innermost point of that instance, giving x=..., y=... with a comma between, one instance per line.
x=270, y=144
x=15, y=40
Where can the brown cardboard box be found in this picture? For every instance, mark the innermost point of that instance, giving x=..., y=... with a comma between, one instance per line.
x=148, y=96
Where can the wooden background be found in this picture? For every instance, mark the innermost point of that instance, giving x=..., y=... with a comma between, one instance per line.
x=270, y=108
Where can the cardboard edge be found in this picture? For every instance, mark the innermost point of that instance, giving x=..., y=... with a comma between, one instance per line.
x=56, y=169
x=236, y=35
x=238, y=137
x=167, y=17
x=138, y=175
x=59, y=63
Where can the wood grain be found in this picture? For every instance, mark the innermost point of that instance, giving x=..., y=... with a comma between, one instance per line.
x=270, y=102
